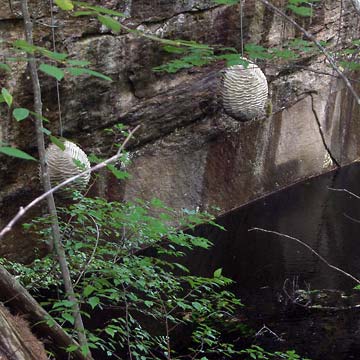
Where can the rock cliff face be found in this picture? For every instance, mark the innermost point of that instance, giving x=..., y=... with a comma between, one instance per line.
x=188, y=152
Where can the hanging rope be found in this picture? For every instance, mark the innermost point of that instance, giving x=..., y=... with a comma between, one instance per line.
x=57, y=82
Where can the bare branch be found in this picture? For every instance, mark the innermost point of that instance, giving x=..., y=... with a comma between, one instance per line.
x=317, y=43
x=309, y=248
x=346, y=191
x=23, y=210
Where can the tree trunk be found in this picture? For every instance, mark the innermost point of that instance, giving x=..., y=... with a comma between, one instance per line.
x=16, y=340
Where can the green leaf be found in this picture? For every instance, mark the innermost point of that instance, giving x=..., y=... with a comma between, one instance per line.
x=217, y=273
x=226, y=2
x=10, y=151
x=5, y=67
x=24, y=45
x=110, y=331
x=79, y=62
x=197, y=306
x=45, y=131
x=7, y=96
x=63, y=303
x=39, y=116
x=174, y=49
x=84, y=13
x=109, y=23
x=57, y=142
x=99, y=9
x=65, y=4
x=53, y=71
x=121, y=175
x=68, y=317
x=285, y=54
x=89, y=289
x=80, y=71
x=52, y=54
x=72, y=348
x=94, y=301
x=301, y=10
x=2, y=100
x=20, y=113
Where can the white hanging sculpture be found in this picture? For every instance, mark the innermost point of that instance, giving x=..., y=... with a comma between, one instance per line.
x=244, y=91
x=63, y=164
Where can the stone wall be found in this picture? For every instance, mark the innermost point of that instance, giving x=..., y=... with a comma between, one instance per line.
x=187, y=152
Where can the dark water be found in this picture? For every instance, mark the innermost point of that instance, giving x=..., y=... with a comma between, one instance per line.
x=260, y=264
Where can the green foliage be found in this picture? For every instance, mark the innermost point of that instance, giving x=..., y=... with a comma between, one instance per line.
x=122, y=256
x=226, y=2
x=125, y=261
x=76, y=71
x=110, y=23
x=53, y=71
x=5, y=67
x=58, y=142
x=258, y=353
x=11, y=151
x=7, y=96
x=64, y=4
x=20, y=113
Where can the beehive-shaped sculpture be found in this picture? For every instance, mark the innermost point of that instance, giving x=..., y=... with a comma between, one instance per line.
x=244, y=91
x=63, y=164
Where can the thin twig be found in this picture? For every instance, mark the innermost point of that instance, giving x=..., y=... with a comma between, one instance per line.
x=309, y=248
x=127, y=323
x=351, y=218
x=266, y=329
x=23, y=210
x=317, y=43
x=57, y=82
x=346, y=191
x=86, y=266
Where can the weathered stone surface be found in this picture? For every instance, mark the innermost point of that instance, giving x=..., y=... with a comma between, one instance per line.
x=187, y=152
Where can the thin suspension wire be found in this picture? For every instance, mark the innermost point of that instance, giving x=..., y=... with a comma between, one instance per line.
x=241, y=29
x=57, y=82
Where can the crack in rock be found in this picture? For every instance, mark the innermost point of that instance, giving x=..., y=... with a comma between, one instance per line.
x=322, y=135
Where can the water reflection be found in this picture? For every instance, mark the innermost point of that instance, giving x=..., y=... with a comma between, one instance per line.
x=260, y=263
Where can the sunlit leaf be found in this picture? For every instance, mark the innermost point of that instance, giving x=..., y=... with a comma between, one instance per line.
x=24, y=45
x=217, y=273
x=78, y=62
x=57, y=142
x=45, y=131
x=52, y=54
x=100, y=9
x=68, y=317
x=80, y=71
x=94, y=301
x=89, y=289
x=301, y=10
x=109, y=23
x=39, y=116
x=226, y=2
x=173, y=49
x=5, y=67
x=20, y=113
x=65, y=4
x=84, y=13
x=51, y=70
x=7, y=96
x=10, y=151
